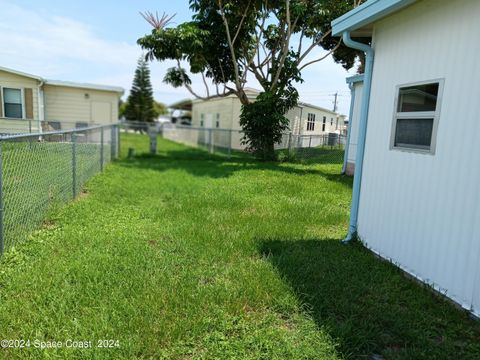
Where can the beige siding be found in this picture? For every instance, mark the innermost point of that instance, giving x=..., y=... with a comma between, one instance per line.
x=209, y=109
x=73, y=105
x=10, y=80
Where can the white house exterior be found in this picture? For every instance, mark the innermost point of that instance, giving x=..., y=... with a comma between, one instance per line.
x=224, y=113
x=356, y=88
x=31, y=103
x=419, y=194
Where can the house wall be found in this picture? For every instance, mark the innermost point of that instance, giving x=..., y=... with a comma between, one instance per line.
x=330, y=125
x=229, y=110
x=422, y=210
x=71, y=105
x=357, y=105
x=10, y=80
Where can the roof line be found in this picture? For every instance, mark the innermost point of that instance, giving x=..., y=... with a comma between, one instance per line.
x=65, y=83
x=85, y=86
x=20, y=73
x=368, y=12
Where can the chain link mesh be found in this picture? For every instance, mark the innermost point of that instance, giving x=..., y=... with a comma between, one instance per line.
x=324, y=148
x=41, y=171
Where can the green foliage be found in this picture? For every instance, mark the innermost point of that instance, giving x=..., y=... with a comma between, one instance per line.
x=263, y=123
x=140, y=102
x=259, y=31
x=160, y=108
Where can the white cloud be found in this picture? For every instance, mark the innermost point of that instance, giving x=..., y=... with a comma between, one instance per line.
x=51, y=45
x=60, y=47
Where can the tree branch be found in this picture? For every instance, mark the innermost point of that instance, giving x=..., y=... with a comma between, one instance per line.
x=286, y=45
x=205, y=83
x=323, y=57
x=311, y=47
x=241, y=22
x=188, y=87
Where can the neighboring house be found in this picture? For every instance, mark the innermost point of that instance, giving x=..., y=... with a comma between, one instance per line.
x=305, y=119
x=416, y=193
x=31, y=103
x=356, y=88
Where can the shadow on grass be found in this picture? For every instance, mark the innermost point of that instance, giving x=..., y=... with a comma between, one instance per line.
x=199, y=163
x=368, y=306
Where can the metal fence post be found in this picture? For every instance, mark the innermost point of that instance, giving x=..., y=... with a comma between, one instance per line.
x=289, y=143
x=101, y=149
x=2, y=244
x=153, y=141
x=230, y=144
x=210, y=140
x=74, y=165
x=117, y=138
x=112, y=142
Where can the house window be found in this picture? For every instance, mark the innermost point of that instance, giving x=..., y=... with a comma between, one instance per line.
x=331, y=121
x=12, y=103
x=217, y=123
x=324, y=123
x=311, y=122
x=416, y=117
x=202, y=117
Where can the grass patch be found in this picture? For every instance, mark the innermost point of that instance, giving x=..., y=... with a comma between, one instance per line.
x=182, y=258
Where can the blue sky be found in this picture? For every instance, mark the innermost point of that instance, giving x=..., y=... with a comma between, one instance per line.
x=67, y=40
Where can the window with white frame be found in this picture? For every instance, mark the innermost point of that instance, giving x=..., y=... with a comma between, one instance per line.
x=324, y=123
x=416, y=116
x=202, y=118
x=310, y=122
x=12, y=103
x=217, y=122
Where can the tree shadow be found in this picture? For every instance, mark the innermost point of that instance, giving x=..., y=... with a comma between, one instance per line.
x=369, y=307
x=202, y=164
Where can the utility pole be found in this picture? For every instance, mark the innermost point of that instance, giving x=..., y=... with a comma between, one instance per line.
x=335, y=102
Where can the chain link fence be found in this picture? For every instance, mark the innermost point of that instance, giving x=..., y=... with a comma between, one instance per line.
x=40, y=171
x=322, y=148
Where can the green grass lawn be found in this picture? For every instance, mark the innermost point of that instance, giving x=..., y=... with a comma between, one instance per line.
x=185, y=255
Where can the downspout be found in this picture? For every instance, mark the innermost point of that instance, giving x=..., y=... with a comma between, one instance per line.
x=349, y=129
x=362, y=131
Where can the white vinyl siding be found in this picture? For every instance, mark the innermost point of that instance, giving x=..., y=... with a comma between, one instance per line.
x=422, y=211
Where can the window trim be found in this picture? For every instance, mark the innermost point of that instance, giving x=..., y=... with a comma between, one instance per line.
x=435, y=115
x=22, y=99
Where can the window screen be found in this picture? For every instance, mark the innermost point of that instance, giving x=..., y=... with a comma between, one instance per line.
x=12, y=103
x=414, y=133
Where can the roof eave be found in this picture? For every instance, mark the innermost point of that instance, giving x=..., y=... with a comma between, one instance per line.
x=367, y=13
x=20, y=73
x=85, y=86
x=355, y=79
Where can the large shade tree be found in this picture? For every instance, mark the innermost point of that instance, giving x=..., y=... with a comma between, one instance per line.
x=271, y=40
